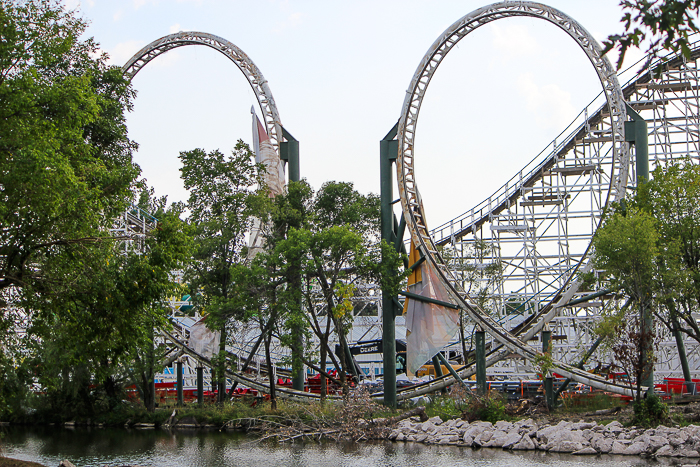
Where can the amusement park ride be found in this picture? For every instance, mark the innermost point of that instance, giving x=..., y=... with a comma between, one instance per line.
x=538, y=225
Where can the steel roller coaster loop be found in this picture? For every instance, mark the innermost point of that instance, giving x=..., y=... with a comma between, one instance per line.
x=412, y=205
x=255, y=78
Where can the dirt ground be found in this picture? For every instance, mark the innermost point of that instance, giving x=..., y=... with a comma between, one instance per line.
x=690, y=412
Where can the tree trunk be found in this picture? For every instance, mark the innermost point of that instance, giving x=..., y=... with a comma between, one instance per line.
x=322, y=364
x=271, y=372
x=149, y=397
x=221, y=370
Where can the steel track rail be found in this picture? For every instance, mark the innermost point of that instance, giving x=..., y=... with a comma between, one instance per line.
x=252, y=73
x=410, y=197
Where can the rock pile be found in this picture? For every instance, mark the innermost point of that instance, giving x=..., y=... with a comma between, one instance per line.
x=566, y=437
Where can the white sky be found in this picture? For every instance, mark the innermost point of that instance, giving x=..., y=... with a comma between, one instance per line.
x=339, y=71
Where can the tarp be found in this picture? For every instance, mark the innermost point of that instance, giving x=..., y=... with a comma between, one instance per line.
x=203, y=340
x=429, y=327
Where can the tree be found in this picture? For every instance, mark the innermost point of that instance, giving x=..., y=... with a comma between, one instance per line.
x=98, y=336
x=330, y=240
x=221, y=191
x=626, y=248
x=667, y=23
x=65, y=159
x=672, y=197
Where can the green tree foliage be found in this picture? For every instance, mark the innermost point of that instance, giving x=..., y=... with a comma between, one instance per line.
x=66, y=172
x=626, y=247
x=319, y=247
x=672, y=198
x=221, y=192
x=65, y=159
x=667, y=24
x=97, y=337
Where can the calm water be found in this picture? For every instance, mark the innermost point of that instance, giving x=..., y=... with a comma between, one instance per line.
x=159, y=448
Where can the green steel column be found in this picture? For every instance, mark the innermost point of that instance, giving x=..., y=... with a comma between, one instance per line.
x=548, y=380
x=200, y=386
x=684, y=359
x=180, y=399
x=388, y=151
x=289, y=151
x=437, y=366
x=637, y=131
x=452, y=371
x=480, y=344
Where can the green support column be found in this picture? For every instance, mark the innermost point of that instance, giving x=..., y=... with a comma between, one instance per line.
x=480, y=344
x=437, y=366
x=289, y=151
x=637, y=132
x=180, y=398
x=388, y=151
x=548, y=380
x=200, y=386
x=452, y=371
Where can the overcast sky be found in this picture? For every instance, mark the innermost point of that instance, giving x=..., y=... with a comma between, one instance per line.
x=339, y=72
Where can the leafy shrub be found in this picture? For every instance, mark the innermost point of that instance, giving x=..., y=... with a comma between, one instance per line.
x=490, y=407
x=650, y=411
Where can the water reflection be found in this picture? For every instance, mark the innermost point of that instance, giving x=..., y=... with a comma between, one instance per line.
x=159, y=448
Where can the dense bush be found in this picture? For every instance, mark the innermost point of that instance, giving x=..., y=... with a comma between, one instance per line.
x=650, y=411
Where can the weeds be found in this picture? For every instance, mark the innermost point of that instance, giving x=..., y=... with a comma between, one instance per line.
x=650, y=411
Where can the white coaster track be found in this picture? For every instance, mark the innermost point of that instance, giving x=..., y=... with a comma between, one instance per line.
x=541, y=221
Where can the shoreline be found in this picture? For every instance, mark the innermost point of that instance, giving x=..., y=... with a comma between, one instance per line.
x=576, y=438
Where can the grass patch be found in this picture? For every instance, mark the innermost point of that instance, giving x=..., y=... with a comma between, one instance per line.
x=588, y=403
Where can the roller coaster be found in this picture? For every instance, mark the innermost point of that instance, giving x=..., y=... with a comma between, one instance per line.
x=538, y=225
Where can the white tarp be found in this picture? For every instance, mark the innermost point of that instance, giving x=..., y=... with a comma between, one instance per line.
x=203, y=340
x=429, y=327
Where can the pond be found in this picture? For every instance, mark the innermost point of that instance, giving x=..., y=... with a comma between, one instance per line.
x=159, y=448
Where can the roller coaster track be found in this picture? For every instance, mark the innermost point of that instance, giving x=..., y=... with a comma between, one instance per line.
x=588, y=166
x=411, y=202
x=255, y=78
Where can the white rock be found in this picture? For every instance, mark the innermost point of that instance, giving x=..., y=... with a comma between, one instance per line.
x=483, y=438
x=665, y=451
x=477, y=428
x=467, y=439
x=526, y=443
x=512, y=439
x=655, y=442
x=635, y=449
x=435, y=420
x=617, y=448
x=677, y=439
x=558, y=438
x=427, y=426
x=583, y=425
x=565, y=446
x=420, y=437
x=452, y=439
x=587, y=451
x=503, y=425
